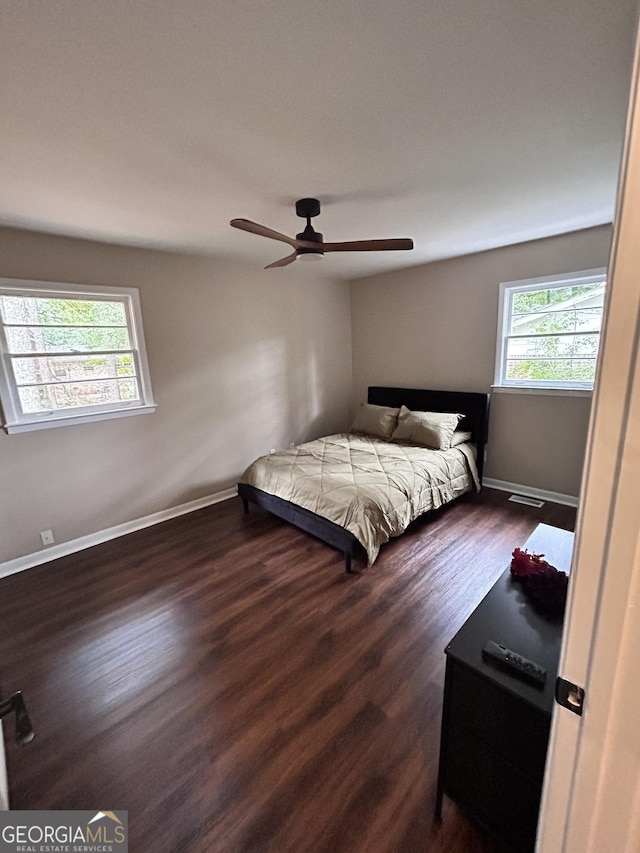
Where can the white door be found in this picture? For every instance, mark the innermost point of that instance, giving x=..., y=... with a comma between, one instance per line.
x=591, y=798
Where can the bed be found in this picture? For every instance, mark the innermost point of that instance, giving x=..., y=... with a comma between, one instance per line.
x=356, y=490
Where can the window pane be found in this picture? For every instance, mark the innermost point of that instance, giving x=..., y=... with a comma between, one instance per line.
x=31, y=371
x=70, y=347
x=553, y=332
x=567, y=320
x=62, y=312
x=128, y=389
x=558, y=370
x=45, y=398
x=553, y=346
x=534, y=301
x=36, y=339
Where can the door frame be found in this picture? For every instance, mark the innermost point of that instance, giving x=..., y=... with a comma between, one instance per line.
x=591, y=795
x=4, y=783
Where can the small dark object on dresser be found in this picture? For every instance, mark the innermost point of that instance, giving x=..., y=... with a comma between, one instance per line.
x=514, y=663
x=542, y=583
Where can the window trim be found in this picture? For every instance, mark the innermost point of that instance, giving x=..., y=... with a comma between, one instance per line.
x=14, y=420
x=540, y=386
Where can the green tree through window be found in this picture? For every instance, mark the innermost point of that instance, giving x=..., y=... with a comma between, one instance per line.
x=72, y=351
x=550, y=332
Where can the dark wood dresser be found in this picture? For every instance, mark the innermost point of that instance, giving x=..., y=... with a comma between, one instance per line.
x=495, y=726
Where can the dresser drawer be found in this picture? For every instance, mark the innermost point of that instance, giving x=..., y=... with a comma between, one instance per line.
x=497, y=793
x=504, y=723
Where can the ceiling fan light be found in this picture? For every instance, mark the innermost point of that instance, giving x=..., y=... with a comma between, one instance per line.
x=310, y=256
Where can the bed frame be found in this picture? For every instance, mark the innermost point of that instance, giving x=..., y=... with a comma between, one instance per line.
x=476, y=409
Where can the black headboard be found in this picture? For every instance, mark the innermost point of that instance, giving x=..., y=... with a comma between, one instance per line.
x=473, y=405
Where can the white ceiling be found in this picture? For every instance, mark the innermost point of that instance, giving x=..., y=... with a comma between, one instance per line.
x=465, y=125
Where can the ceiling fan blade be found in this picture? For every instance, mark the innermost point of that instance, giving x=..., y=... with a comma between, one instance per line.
x=283, y=262
x=370, y=245
x=263, y=231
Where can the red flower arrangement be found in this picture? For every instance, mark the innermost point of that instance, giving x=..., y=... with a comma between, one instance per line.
x=541, y=582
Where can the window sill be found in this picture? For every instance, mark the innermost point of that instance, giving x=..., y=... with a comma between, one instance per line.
x=552, y=392
x=31, y=426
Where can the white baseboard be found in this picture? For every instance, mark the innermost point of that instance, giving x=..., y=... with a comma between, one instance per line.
x=10, y=567
x=530, y=492
x=20, y=564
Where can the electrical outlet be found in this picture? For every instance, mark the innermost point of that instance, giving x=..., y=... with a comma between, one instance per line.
x=273, y=450
x=47, y=537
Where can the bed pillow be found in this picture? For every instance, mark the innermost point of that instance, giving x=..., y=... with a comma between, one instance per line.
x=459, y=437
x=378, y=421
x=430, y=429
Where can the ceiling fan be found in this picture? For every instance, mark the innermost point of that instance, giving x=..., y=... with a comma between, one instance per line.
x=309, y=244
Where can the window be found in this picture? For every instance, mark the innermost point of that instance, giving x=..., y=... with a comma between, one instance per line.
x=549, y=331
x=70, y=353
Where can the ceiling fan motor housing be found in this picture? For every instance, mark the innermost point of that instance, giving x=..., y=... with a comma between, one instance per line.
x=308, y=208
x=312, y=237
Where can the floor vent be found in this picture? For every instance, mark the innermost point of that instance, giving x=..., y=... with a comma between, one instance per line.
x=522, y=499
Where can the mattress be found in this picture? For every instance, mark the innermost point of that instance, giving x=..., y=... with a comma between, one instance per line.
x=372, y=488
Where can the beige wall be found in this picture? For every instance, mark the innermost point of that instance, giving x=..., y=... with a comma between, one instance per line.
x=241, y=360
x=434, y=326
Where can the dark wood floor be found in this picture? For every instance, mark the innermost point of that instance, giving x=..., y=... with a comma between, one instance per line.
x=224, y=680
